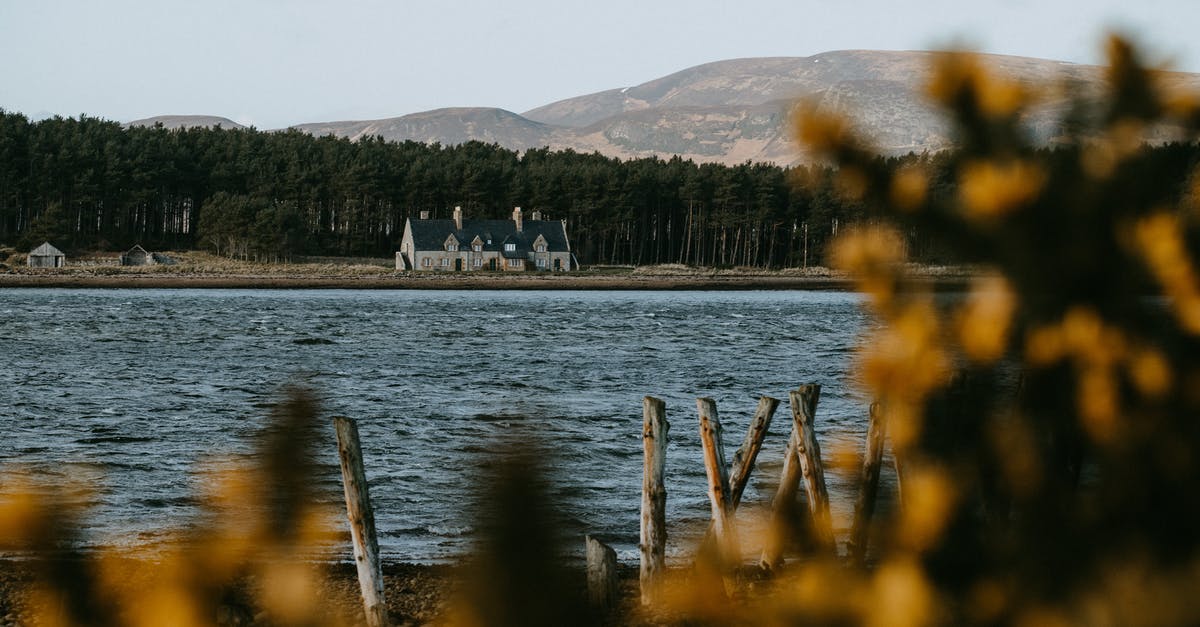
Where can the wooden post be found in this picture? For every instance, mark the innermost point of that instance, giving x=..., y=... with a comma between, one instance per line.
x=601, y=574
x=868, y=490
x=781, y=506
x=804, y=412
x=362, y=522
x=653, y=544
x=718, y=482
x=743, y=458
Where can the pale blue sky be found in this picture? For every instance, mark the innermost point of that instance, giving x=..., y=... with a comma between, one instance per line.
x=272, y=63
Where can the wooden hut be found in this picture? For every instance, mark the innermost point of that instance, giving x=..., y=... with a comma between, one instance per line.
x=137, y=256
x=47, y=256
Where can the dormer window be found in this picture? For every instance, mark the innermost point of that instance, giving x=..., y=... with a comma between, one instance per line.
x=541, y=248
x=452, y=247
x=477, y=247
x=510, y=248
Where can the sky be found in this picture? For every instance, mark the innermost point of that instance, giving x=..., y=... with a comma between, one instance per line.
x=273, y=63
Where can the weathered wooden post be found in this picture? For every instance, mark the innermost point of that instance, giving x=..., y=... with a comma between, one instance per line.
x=653, y=544
x=601, y=574
x=747, y=453
x=868, y=490
x=718, y=485
x=804, y=412
x=744, y=457
x=781, y=506
x=362, y=522
x=801, y=460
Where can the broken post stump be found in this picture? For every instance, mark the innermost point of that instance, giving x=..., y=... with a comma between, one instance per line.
x=653, y=541
x=864, y=508
x=362, y=522
x=718, y=486
x=601, y=574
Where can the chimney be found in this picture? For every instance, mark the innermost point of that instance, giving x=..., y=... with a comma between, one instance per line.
x=424, y=215
x=517, y=218
x=537, y=215
x=458, y=218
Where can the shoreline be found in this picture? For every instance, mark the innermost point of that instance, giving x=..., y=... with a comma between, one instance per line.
x=717, y=282
x=416, y=594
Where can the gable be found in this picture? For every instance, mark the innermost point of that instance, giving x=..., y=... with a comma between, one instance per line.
x=46, y=250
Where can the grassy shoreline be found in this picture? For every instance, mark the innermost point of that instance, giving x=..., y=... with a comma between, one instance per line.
x=196, y=270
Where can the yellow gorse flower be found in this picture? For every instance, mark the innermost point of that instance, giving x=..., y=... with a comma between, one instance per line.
x=993, y=189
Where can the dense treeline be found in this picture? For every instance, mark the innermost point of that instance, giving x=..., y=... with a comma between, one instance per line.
x=88, y=183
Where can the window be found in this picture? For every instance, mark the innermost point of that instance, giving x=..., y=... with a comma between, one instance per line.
x=427, y=262
x=514, y=263
x=445, y=262
x=541, y=263
x=541, y=248
x=452, y=248
x=478, y=263
x=477, y=248
x=510, y=247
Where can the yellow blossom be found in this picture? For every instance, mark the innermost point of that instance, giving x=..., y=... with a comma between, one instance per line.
x=991, y=189
x=822, y=131
x=1150, y=372
x=1160, y=240
x=909, y=188
x=929, y=500
x=903, y=597
x=985, y=319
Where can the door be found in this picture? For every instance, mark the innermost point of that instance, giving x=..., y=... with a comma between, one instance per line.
x=458, y=265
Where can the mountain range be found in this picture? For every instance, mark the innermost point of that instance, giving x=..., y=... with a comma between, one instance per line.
x=729, y=111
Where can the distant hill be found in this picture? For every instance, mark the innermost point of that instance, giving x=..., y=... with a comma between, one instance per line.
x=447, y=126
x=729, y=111
x=186, y=121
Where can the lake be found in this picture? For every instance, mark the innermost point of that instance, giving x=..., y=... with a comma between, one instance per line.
x=129, y=391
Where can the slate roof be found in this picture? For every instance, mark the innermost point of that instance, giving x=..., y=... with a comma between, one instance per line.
x=46, y=250
x=431, y=234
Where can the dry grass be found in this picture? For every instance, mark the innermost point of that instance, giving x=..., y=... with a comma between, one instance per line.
x=199, y=263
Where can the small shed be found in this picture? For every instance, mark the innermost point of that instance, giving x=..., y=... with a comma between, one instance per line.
x=137, y=256
x=47, y=256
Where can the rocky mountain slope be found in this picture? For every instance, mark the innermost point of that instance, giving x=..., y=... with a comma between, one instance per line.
x=187, y=121
x=733, y=111
x=448, y=126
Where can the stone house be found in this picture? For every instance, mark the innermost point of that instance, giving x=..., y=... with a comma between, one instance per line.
x=47, y=256
x=137, y=256
x=462, y=245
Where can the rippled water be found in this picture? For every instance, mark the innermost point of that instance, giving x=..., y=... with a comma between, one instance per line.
x=131, y=389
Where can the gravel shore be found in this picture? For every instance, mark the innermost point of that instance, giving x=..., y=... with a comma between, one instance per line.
x=416, y=594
